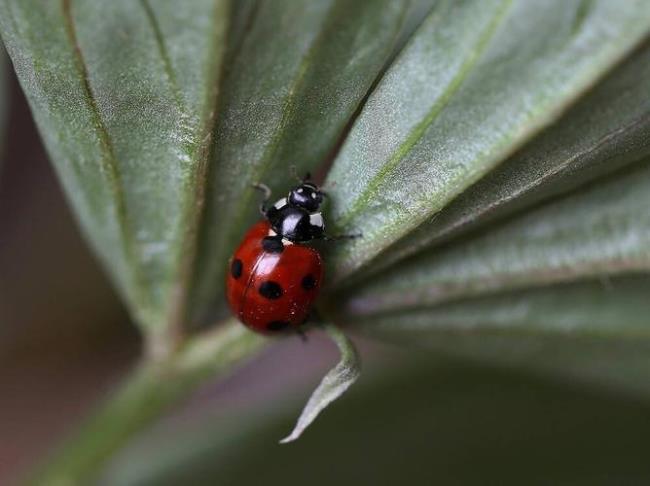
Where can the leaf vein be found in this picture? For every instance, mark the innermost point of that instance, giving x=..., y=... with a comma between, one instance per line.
x=196, y=188
x=420, y=129
x=108, y=162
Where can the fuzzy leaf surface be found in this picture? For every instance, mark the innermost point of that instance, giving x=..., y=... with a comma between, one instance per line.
x=602, y=230
x=477, y=80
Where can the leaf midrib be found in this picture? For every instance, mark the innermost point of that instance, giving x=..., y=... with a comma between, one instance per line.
x=195, y=188
x=162, y=51
x=110, y=166
x=445, y=291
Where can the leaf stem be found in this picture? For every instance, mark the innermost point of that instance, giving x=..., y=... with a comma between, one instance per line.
x=148, y=393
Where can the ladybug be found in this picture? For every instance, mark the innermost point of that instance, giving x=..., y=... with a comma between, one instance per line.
x=274, y=277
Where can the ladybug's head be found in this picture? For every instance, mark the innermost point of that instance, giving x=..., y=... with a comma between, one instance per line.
x=306, y=196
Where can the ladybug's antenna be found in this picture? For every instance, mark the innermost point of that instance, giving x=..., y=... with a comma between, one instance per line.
x=294, y=173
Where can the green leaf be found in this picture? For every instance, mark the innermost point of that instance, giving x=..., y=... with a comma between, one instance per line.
x=604, y=230
x=603, y=132
x=607, y=308
x=477, y=80
x=334, y=384
x=596, y=331
x=299, y=75
x=126, y=95
x=125, y=101
x=159, y=118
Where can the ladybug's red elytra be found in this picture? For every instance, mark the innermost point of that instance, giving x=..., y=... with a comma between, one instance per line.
x=273, y=277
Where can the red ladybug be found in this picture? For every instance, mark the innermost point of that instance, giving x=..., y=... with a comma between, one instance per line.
x=273, y=278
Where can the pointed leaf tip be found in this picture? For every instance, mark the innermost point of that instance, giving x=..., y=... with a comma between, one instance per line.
x=333, y=385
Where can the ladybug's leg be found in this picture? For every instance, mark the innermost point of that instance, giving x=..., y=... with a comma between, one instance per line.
x=301, y=334
x=312, y=318
x=267, y=195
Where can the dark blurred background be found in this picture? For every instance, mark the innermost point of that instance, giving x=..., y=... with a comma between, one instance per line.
x=63, y=334
x=65, y=339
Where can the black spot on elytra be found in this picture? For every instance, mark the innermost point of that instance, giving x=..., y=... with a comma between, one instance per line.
x=272, y=244
x=277, y=325
x=236, y=268
x=270, y=289
x=308, y=282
